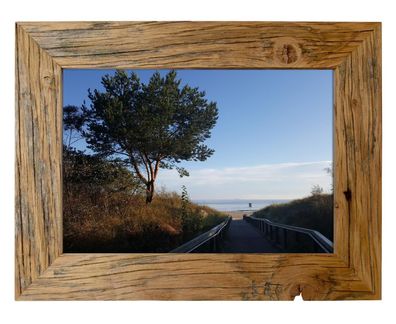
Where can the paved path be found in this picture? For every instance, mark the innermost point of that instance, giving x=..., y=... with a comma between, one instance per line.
x=242, y=237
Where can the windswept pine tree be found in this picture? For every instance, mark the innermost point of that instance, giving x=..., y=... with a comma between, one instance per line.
x=150, y=126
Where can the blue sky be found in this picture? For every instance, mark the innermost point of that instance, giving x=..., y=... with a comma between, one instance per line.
x=273, y=137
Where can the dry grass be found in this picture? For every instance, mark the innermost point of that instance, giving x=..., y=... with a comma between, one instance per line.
x=101, y=221
x=314, y=212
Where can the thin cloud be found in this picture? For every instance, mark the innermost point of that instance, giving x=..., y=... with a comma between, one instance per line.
x=266, y=181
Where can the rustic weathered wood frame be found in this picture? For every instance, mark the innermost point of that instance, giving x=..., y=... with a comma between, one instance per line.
x=352, y=50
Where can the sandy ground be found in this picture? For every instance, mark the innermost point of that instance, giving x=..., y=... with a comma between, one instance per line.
x=239, y=214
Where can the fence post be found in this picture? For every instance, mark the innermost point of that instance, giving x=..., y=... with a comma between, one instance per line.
x=277, y=235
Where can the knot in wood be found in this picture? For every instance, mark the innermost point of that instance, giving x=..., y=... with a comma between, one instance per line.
x=287, y=51
x=288, y=54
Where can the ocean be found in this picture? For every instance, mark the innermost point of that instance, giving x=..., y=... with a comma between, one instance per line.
x=239, y=204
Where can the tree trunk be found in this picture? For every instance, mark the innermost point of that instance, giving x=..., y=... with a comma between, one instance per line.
x=149, y=192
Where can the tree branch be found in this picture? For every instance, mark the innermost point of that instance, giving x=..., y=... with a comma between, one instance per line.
x=157, y=163
x=137, y=170
x=121, y=153
x=149, y=175
x=150, y=166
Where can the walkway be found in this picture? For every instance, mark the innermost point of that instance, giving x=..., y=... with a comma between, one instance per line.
x=242, y=237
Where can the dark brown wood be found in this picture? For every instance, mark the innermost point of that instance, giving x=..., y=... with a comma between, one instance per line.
x=352, y=50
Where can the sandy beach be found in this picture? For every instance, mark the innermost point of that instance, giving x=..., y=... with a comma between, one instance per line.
x=239, y=213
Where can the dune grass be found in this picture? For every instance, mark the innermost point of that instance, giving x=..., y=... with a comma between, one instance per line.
x=102, y=221
x=314, y=212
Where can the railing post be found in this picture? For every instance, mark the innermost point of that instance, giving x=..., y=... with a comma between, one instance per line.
x=211, y=245
x=274, y=231
x=285, y=238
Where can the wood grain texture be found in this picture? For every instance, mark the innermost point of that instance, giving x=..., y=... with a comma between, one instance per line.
x=352, y=50
x=198, y=45
x=38, y=170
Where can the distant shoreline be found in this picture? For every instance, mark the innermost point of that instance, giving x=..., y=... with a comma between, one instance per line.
x=227, y=201
x=239, y=205
x=238, y=214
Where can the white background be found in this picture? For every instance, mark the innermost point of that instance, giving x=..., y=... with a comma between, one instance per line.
x=192, y=312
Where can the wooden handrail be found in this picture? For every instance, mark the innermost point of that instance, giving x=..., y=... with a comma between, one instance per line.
x=208, y=238
x=321, y=241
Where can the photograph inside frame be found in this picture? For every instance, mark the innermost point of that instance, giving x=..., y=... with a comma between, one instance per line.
x=197, y=161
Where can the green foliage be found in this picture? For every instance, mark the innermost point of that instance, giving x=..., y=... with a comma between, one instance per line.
x=316, y=190
x=154, y=125
x=184, y=203
x=134, y=129
x=73, y=122
x=315, y=212
x=330, y=171
x=211, y=220
x=184, y=195
x=73, y=118
x=191, y=222
x=96, y=174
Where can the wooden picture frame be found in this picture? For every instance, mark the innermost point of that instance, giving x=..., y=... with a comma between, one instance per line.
x=351, y=50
